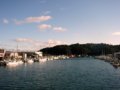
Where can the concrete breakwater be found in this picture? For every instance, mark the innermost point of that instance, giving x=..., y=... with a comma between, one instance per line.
x=112, y=60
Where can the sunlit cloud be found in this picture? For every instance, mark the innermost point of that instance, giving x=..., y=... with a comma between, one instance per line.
x=59, y=29
x=50, y=41
x=47, y=12
x=43, y=26
x=33, y=19
x=116, y=33
x=76, y=34
x=25, y=40
x=37, y=44
x=5, y=21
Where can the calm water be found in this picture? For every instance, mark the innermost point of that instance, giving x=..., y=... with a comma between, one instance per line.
x=66, y=74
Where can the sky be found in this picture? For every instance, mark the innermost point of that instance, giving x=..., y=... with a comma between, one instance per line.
x=31, y=25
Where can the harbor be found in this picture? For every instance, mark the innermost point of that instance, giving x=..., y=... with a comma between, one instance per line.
x=8, y=58
x=13, y=58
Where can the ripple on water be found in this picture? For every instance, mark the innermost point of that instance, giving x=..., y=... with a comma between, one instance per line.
x=70, y=74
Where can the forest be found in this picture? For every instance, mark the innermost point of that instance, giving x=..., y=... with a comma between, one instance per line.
x=81, y=49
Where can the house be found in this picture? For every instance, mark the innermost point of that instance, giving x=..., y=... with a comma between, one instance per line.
x=2, y=53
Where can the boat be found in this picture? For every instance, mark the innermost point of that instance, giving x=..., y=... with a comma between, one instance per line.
x=36, y=60
x=30, y=61
x=12, y=62
x=42, y=59
x=20, y=62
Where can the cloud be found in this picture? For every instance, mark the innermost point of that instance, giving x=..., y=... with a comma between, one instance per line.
x=116, y=33
x=5, y=21
x=36, y=44
x=33, y=19
x=50, y=41
x=76, y=34
x=46, y=12
x=43, y=26
x=59, y=29
x=25, y=40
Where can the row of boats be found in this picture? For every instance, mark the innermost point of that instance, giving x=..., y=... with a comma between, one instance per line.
x=28, y=60
x=112, y=60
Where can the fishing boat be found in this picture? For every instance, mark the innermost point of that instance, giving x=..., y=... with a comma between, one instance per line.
x=12, y=62
x=42, y=59
x=30, y=61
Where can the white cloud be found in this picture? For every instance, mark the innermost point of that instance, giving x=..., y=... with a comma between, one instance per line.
x=33, y=19
x=116, y=33
x=49, y=43
x=25, y=40
x=43, y=26
x=55, y=42
x=46, y=12
x=5, y=21
x=59, y=29
x=37, y=44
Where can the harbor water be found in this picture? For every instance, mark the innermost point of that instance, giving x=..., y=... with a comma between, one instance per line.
x=61, y=74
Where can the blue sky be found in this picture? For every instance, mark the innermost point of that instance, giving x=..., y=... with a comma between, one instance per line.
x=35, y=24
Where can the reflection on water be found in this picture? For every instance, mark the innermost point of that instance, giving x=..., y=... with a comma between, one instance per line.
x=67, y=74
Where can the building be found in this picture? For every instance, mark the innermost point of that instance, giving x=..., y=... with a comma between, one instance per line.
x=9, y=55
x=40, y=54
x=2, y=53
x=31, y=54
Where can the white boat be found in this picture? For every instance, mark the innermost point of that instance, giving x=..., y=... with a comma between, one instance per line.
x=12, y=63
x=42, y=59
x=20, y=62
x=56, y=58
x=30, y=61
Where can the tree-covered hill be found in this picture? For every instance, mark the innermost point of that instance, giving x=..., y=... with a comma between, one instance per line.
x=81, y=49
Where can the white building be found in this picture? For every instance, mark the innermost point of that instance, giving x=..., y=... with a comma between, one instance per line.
x=39, y=53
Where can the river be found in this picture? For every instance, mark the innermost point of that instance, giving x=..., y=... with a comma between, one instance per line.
x=61, y=74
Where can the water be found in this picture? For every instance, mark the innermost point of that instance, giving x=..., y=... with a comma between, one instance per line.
x=62, y=74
